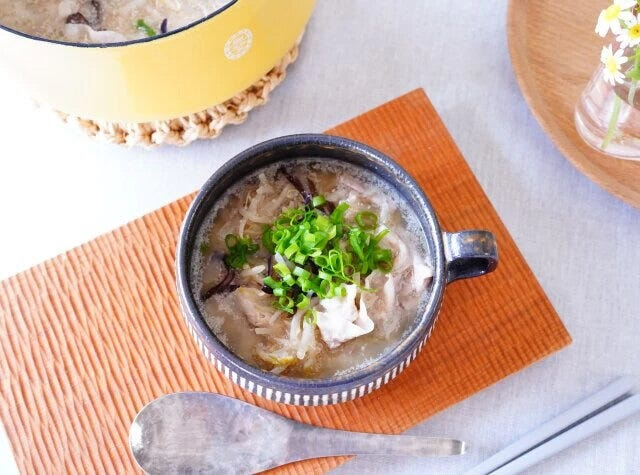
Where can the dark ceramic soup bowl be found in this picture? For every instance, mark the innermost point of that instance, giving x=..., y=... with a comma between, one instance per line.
x=454, y=256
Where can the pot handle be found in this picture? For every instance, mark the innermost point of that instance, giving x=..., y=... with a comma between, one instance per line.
x=469, y=254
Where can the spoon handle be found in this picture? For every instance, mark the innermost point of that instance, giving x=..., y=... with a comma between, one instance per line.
x=327, y=442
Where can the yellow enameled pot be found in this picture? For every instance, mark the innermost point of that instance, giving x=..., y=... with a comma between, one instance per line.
x=181, y=72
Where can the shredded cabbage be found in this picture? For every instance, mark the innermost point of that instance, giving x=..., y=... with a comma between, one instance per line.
x=340, y=320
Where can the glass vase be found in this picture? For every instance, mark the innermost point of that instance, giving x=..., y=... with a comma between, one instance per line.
x=608, y=117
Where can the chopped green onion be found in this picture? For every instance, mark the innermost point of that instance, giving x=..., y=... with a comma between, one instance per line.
x=317, y=201
x=230, y=240
x=291, y=250
x=336, y=216
x=355, y=239
x=295, y=216
x=380, y=255
x=323, y=223
x=306, y=285
x=303, y=301
x=286, y=303
x=238, y=250
x=142, y=26
x=300, y=272
x=321, y=261
x=325, y=288
x=270, y=282
x=282, y=269
x=204, y=247
x=267, y=239
x=327, y=252
x=311, y=317
x=385, y=266
x=367, y=220
x=380, y=235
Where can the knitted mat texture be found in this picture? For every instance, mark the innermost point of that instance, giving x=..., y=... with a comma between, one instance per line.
x=207, y=124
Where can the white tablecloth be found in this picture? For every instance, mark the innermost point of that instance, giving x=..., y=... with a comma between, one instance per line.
x=58, y=189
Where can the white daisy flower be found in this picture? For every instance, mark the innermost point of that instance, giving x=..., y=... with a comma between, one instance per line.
x=611, y=17
x=630, y=36
x=612, y=64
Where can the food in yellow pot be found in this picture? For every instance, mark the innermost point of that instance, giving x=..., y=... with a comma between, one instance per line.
x=103, y=21
x=201, y=61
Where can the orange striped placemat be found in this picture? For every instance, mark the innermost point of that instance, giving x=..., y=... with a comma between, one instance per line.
x=91, y=336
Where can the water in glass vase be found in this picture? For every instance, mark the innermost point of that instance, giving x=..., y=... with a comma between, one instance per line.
x=608, y=117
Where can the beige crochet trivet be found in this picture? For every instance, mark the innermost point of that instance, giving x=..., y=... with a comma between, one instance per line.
x=207, y=124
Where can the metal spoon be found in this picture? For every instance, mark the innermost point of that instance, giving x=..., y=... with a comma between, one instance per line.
x=196, y=432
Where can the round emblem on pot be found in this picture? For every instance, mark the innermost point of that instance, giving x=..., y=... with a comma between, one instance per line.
x=238, y=44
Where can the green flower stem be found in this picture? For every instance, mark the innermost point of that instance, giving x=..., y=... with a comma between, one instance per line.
x=635, y=72
x=617, y=102
x=632, y=92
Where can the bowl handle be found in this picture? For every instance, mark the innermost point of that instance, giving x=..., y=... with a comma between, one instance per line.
x=469, y=254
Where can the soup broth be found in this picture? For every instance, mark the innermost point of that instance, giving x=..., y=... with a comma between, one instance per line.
x=275, y=310
x=102, y=21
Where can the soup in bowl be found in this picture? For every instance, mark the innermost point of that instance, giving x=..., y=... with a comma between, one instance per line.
x=311, y=269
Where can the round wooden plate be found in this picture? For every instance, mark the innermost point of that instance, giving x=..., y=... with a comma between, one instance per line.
x=554, y=51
